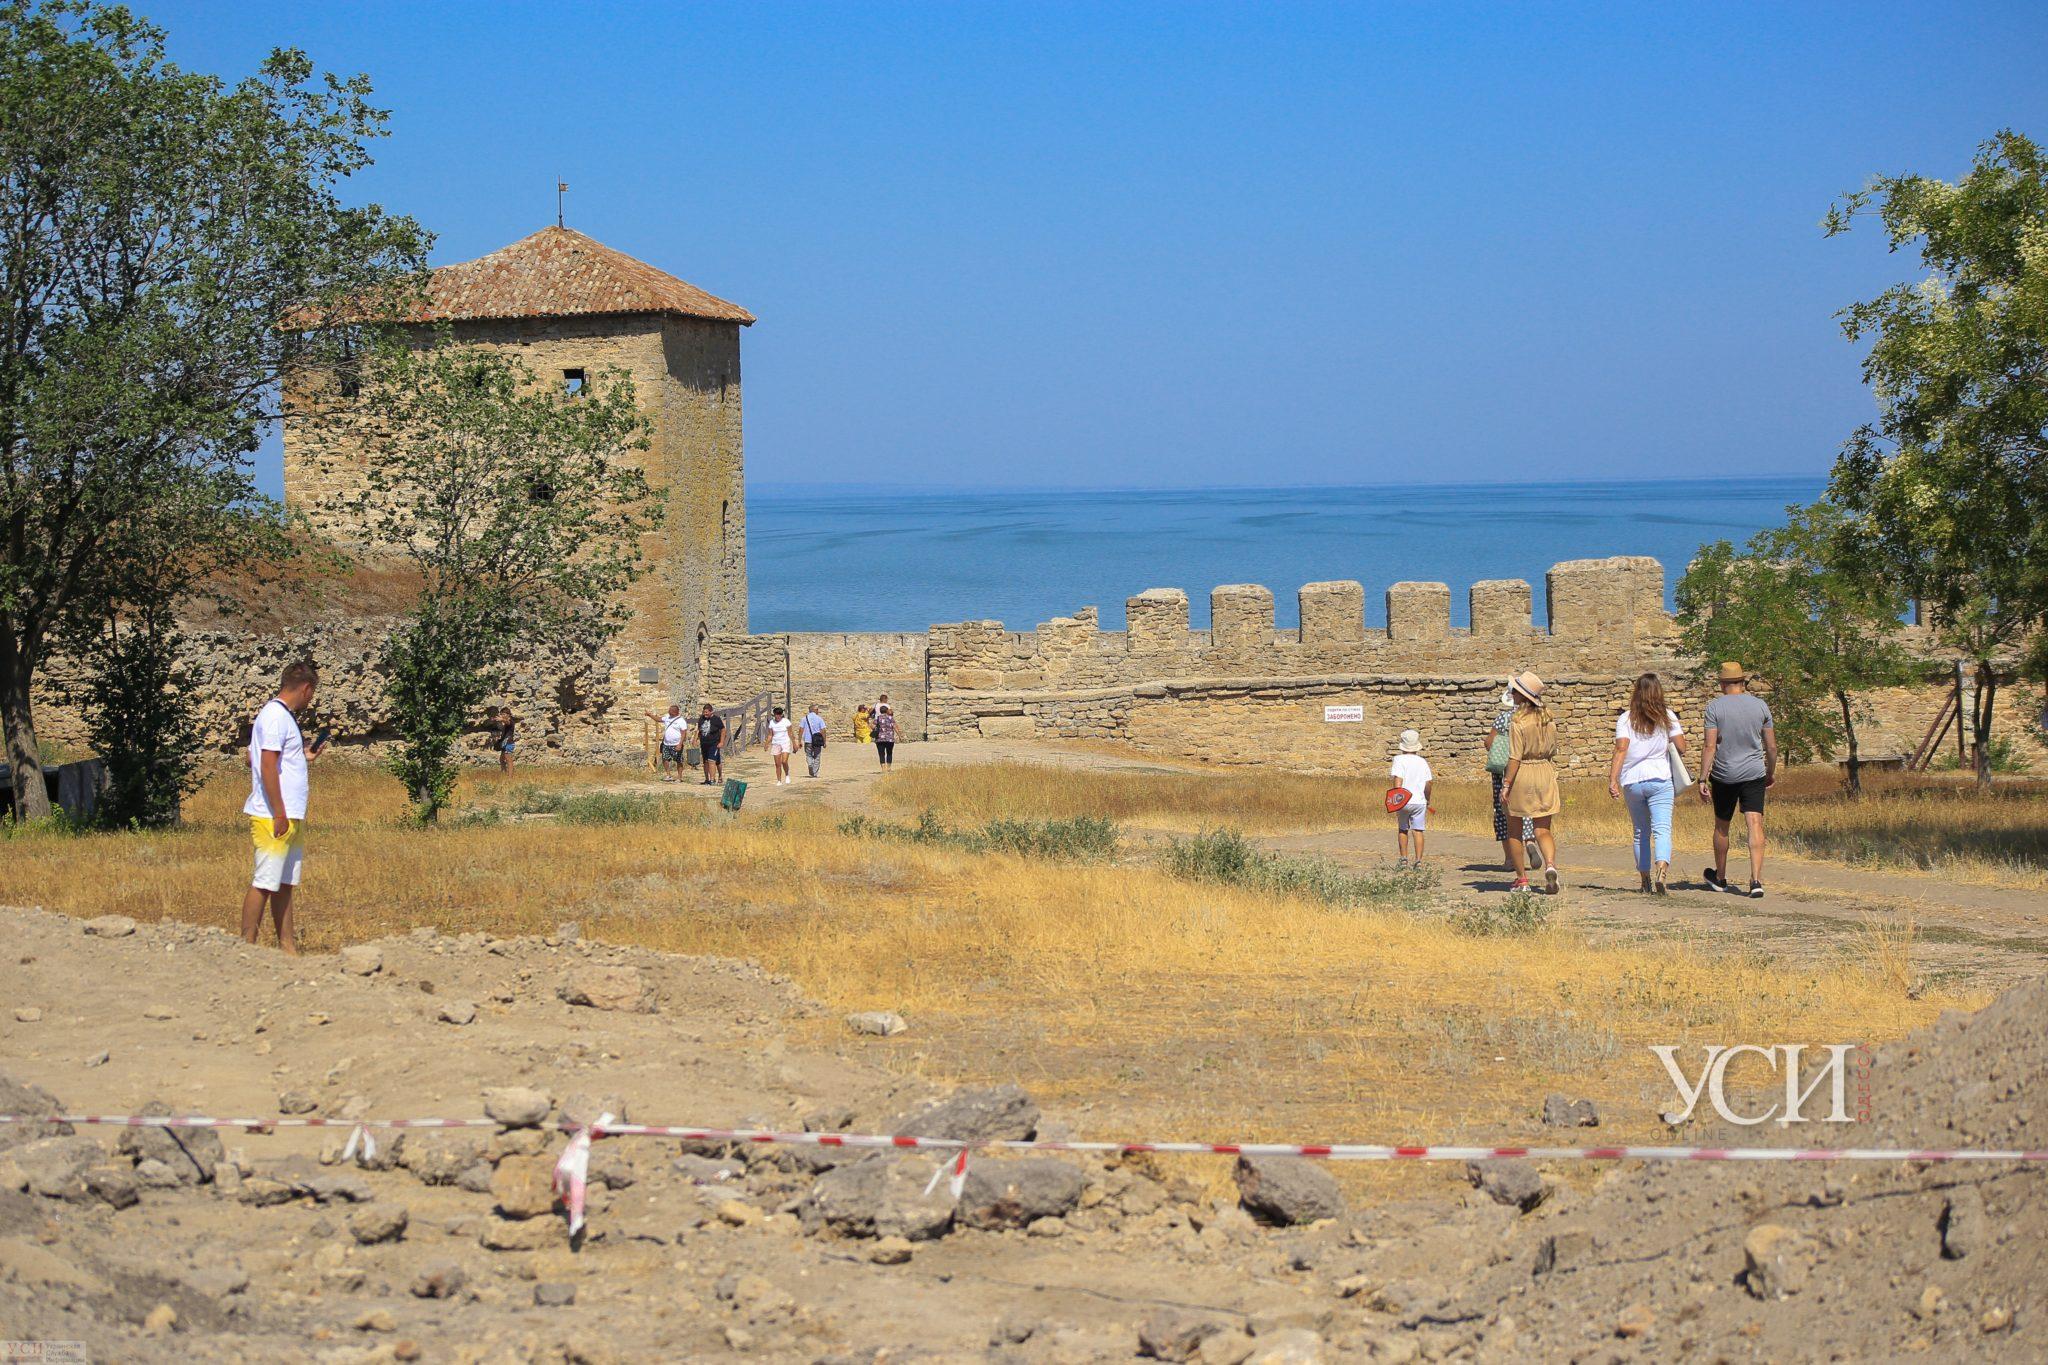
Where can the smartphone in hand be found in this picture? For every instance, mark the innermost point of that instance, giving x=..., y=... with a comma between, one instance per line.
x=320, y=740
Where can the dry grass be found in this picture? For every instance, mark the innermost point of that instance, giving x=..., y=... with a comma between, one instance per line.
x=1175, y=1009
x=1932, y=822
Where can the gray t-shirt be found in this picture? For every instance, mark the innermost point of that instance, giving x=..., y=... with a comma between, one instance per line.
x=1738, y=721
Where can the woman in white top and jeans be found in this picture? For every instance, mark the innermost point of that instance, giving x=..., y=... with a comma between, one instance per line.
x=1644, y=738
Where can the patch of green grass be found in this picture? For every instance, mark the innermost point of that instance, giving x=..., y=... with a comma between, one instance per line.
x=1513, y=915
x=592, y=808
x=1080, y=838
x=1229, y=857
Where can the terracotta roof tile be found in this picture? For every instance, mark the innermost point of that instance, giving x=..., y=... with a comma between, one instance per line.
x=558, y=272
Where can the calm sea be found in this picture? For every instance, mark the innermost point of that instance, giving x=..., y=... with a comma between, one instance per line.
x=885, y=560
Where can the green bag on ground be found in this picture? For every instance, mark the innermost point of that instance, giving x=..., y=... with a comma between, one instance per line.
x=1497, y=754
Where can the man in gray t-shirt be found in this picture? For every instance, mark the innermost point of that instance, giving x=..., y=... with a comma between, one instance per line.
x=1739, y=763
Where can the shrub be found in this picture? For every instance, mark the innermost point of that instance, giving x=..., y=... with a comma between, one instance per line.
x=1513, y=915
x=600, y=808
x=1080, y=838
x=1227, y=856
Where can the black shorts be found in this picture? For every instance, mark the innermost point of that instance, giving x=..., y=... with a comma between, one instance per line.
x=1749, y=795
x=711, y=752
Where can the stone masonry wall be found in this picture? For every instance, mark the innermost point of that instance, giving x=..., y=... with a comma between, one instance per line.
x=566, y=707
x=686, y=377
x=835, y=671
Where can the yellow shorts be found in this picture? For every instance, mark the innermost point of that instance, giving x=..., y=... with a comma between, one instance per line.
x=277, y=860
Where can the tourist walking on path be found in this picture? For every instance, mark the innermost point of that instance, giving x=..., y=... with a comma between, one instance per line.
x=1646, y=737
x=863, y=724
x=711, y=744
x=1524, y=831
x=814, y=739
x=673, y=729
x=277, y=805
x=885, y=735
x=779, y=746
x=1411, y=772
x=504, y=736
x=1738, y=764
x=1529, y=787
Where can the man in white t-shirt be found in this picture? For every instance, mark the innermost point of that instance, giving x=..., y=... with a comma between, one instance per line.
x=1410, y=770
x=277, y=805
x=674, y=730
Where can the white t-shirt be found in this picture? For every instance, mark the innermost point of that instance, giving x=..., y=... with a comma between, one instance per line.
x=778, y=735
x=1412, y=771
x=673, y=728
x=1649, y=756
x=277, y=730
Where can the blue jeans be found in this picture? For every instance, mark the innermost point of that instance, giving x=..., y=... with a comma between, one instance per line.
x=1649, y=807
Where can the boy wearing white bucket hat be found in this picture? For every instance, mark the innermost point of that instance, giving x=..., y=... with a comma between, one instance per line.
x=1410, y=771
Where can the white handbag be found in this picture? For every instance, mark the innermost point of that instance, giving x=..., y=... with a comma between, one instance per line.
x=1680, y=777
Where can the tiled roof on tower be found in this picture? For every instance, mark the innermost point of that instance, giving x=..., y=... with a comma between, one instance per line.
x=559, y=272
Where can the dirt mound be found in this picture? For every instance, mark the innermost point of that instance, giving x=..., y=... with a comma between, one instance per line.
x=449, y=1245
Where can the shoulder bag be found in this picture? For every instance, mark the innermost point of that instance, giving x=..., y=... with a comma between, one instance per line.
x=1681, y=777
x=1497, y=754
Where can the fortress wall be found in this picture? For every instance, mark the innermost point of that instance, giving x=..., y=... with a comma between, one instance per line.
x=567, y=708
x=837, y=672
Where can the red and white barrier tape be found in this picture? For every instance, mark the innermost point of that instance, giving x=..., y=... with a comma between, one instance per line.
x=572, y=1169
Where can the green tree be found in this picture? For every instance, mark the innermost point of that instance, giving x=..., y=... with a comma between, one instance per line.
x=1817, y=630
x=156, y=225
x=136, y=693
x=1949, y=486
x=519, y=505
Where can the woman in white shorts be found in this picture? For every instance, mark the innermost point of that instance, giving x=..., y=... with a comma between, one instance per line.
x=779, y=745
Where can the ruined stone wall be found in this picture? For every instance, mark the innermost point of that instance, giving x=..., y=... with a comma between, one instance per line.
x=835, y=671
x=686, y=376
x=563, y=698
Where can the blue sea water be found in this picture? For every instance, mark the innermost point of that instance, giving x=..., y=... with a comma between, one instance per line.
x=879, y=559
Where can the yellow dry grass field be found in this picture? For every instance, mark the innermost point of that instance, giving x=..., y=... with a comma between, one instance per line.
x=1143, y=1005
x=1928, y=821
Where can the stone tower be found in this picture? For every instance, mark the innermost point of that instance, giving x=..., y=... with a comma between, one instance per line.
x=569, y=306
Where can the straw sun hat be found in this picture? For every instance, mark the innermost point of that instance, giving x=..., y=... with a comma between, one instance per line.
x=1527, y=686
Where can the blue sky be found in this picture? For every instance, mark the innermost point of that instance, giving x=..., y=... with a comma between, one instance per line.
x=1179, y=245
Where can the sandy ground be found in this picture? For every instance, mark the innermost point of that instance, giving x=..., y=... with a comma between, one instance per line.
x=281, y=1257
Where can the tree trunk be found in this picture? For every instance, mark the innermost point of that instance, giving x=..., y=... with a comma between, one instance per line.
x=1987, y=697
x=1849, y=730
x=17, y=718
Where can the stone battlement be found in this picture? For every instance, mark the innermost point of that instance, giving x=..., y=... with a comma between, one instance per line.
x=1603, y=615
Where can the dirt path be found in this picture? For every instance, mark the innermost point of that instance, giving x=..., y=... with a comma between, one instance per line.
x=1966, y=933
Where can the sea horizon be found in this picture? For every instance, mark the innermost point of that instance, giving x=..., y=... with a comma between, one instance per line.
x=875, y=557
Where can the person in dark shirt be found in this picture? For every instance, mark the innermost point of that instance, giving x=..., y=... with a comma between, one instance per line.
x=711, y=739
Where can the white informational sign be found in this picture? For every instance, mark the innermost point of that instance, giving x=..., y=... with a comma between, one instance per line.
x=1343, y=715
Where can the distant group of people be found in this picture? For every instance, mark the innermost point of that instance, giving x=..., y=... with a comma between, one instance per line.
x=1739, y=763
x=872, y=724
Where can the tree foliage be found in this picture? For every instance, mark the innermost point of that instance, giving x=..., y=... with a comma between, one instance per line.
x=156, y=227
x=1816, y=629
x=520, y=508
x=1948, y=487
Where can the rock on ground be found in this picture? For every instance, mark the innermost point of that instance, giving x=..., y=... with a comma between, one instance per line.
x=190, y=1154
x=608, y=988
x=1512, y=1182
x=880, y=1197
x=1015, y=1194
x=1287, y=1190
x=516, y=1106
x=1004, y=1112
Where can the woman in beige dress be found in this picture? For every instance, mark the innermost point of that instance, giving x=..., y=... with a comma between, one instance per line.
x=1529, y=787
